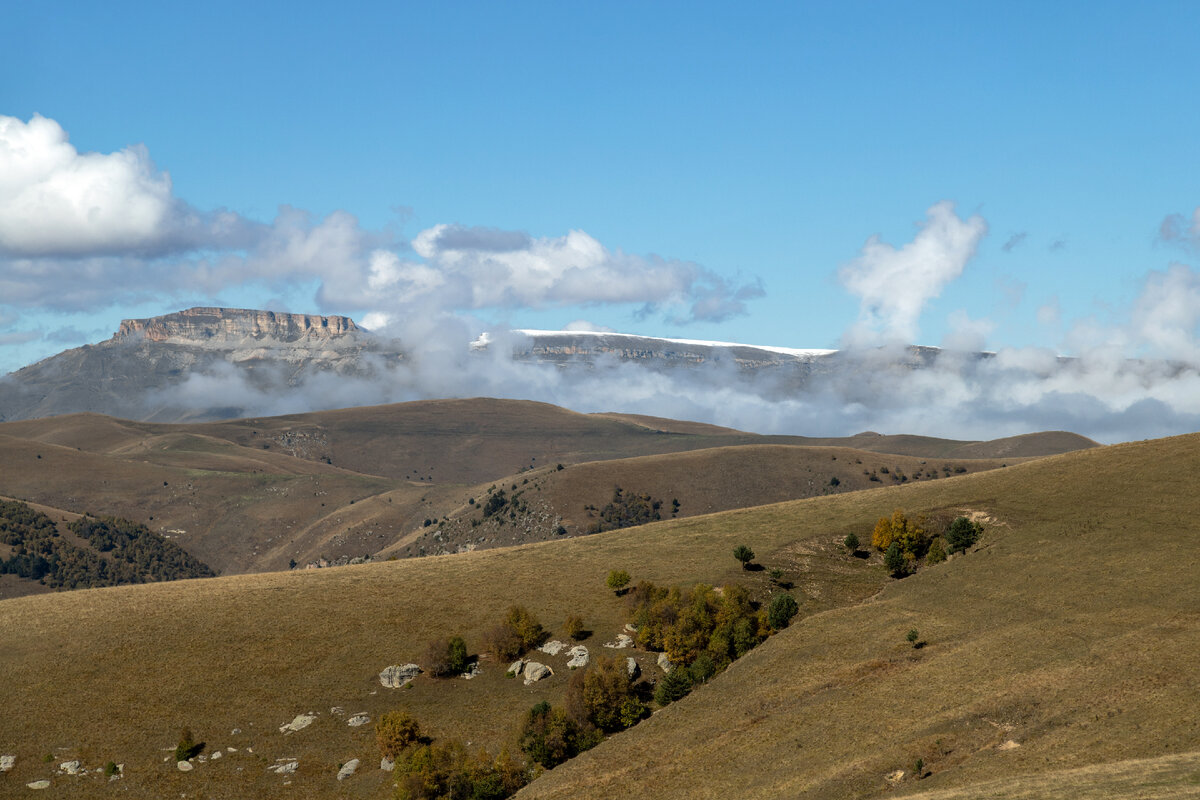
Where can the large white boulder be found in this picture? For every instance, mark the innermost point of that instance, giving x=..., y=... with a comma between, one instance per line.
x=397, y=676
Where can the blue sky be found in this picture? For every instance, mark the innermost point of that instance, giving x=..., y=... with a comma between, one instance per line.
x=726, y=165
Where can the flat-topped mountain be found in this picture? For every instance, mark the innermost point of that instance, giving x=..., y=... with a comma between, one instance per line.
x=139, y=372
x=231, y=325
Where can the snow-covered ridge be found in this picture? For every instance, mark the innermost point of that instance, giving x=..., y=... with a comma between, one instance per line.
x=483, y=340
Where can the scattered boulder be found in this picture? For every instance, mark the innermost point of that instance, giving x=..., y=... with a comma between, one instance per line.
x=895, y=777
x=43, y=784
x=579, y=657
x=348, y=769
x=7, y=762
x=338, y=711
x=535, y=672
x=623, y=640
x=630, y=627
x=632, y=668
x=553, y=647
x=301, y=722
x=664, y=663
x=216, y=754
x=70, y=767
x=284, y=766
x=387, y=764
x=1009, y=745
x=472, y=671
x=515, y=668
x=397, y=676
x=184, y=766
x=358, y=720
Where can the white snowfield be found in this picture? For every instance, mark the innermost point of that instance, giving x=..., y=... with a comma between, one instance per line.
x=484, y=339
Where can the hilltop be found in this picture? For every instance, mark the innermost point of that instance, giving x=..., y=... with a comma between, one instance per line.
x=1058, y=653
x=264, y=493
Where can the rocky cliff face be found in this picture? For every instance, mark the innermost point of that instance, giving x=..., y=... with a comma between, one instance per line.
x=221, y=325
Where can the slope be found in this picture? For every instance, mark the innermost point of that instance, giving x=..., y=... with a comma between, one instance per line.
x=1070, y=631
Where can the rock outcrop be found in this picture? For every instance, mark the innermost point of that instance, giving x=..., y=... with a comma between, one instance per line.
x=204, y=324
x=398, y=675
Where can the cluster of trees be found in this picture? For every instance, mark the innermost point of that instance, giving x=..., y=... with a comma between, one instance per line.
x=445, y=770
x=628, y=509
x=905, y=542
x=517, y=632
x=132, y=553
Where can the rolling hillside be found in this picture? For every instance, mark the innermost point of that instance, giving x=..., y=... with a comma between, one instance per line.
x=260, y=494
x=1059, y=657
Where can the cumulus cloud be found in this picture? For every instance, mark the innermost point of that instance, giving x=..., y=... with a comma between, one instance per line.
x=81, y=230
x=56, y=201
x=1178, y=229
x=894, y=284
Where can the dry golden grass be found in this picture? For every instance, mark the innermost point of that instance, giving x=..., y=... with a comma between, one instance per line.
x=1072, y=630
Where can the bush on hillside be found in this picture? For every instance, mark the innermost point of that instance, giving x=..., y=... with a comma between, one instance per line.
x=573, y=627
x=549, y=736
x=446, y=657
x=937, y=552
x=851, y=543
x=603, y=696
x=743, y=554
x=395, y=732
x=894, y=560
x=675, y=685
x=783, y=607
x=617, y=580
x=446, y=771
x=188, y=747
x=519, y=632
x=961, y=534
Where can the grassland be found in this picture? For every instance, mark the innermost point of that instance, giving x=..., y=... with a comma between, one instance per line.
x=1070, y=631
x=259, y=494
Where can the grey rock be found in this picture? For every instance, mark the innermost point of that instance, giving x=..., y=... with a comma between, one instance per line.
x=535, y=672
x=7, y=762
x=579, y=657
x=515, y=668
x=664, y=663
x=387, y=764
x=184, y=766
x=398, y=675
x=284, y=766
x=623, y=640
x=42, y=784
x=70, y=767
x=358, y=720
x=348, y=769
x=553, y=647
x=301, y=722
x=472, y=671
x=632, y=668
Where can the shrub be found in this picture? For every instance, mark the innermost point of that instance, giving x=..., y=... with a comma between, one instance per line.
x=617, y=580
x=447, y=770
x=783, y=607
x=446, y=657
x=675, y=685
x=962, y=534
x=550, y=737
x=743, y=554
x=851, y=542
x=912, y=637
x=519, y=631
x=608, y=700
x=111, y=769
x=187, y=747
x=702, y=669
x=893, y=559
x=526, y=626
x=937, y=553
x=573, y=626
x=394, y=732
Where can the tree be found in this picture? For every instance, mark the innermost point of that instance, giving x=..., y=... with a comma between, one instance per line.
x=548, y=736
x=395, y=731
x=962, y=534
x=912, y=637
x=893, y=559
x=618, y=579
x=607, y=695
x=937, y=553
x=573, y=626
x=445, y=657
x=743, y=554
x=851, y=543
x=882, y=535
x=675, y=685
x=783, y=607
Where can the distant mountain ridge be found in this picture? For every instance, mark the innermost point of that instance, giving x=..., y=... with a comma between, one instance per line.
x=140, y=373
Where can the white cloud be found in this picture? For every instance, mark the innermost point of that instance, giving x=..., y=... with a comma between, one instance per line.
x=1165, y=315
x=893, y=285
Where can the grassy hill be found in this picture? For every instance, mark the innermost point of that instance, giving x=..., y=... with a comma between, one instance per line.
x=1070, y=631
x=260, y=494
